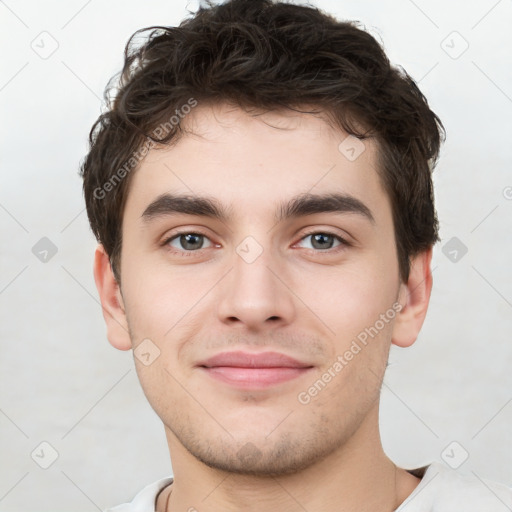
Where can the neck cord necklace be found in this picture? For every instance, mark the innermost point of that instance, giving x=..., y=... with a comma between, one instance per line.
x=397, y=501
x=166, y=509
x=397, y=504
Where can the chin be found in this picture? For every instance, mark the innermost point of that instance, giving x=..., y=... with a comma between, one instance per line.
x=283, y=455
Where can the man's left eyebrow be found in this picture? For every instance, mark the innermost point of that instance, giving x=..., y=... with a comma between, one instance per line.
x=299, y=206
x=310, y=204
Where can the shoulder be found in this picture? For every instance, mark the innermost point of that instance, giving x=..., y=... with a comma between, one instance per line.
x=144, y=501
x=445, y=490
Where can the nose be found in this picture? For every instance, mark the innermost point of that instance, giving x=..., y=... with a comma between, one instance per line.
x=255, y=293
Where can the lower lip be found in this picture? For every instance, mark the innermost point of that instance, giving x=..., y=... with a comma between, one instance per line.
x=251, y=378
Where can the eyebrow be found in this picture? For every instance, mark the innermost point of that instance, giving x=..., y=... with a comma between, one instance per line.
x=302, y=205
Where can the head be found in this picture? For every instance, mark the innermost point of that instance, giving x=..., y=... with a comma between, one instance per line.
x=234, y=147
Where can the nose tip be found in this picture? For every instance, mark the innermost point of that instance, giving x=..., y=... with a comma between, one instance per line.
x=252, y=295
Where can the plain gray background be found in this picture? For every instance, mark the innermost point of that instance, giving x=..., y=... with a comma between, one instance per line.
x=447, y=397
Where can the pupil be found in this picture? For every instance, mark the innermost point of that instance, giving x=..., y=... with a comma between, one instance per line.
x=319, y=237
x=190, y=244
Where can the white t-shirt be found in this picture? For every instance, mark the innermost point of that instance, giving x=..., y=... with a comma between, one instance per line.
x=441, y=490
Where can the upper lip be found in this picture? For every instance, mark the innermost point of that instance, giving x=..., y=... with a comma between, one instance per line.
x=242, y=359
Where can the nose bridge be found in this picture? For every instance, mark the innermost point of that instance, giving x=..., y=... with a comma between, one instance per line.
x=253, y=295
x=251, y=270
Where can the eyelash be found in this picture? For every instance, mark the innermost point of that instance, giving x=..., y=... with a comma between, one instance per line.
x=184, y=253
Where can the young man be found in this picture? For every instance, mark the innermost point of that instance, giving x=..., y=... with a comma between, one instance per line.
x=261, y=191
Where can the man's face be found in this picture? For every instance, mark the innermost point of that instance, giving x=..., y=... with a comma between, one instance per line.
x=253, y=284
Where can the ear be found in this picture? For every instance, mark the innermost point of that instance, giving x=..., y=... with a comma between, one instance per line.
x=111, y=301
x=414, y=296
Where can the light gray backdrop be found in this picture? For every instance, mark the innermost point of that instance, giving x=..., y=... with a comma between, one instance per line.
x=447, y=398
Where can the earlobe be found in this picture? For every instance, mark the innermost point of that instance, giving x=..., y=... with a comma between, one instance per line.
x=111, y=301
x=414, y=297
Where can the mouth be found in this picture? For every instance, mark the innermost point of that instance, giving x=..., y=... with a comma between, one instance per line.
x=248, y=370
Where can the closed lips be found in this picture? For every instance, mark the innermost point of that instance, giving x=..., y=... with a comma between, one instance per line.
x=253, y=360
x=250, y=371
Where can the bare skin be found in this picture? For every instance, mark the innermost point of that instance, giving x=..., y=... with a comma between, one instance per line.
x=289, y=445
x=405, y=485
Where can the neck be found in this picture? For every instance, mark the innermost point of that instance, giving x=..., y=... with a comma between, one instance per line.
x=356, y=476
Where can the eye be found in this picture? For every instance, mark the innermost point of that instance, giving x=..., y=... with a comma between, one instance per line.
x=323, y=240
x=187, y=241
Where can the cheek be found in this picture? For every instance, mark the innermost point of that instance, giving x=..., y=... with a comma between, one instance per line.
x=159, y=298
x=171, y=311
x=351, y=298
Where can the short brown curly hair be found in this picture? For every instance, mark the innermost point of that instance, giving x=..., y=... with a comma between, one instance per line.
x=265, y=54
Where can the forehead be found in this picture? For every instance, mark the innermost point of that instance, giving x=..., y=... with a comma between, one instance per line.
x=253, y=161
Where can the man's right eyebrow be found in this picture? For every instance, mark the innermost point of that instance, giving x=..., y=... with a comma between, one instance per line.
x=174, y=204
